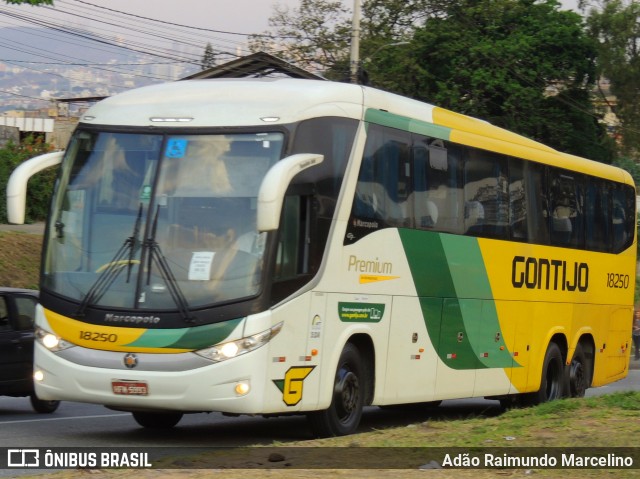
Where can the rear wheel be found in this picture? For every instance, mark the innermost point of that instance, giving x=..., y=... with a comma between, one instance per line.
x=42, y=406
x=552, y=384
x=157, y=420
x=578, y=373
x=344, y=413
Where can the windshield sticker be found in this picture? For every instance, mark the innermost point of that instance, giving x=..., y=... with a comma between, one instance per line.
x=176, y=148
x=145, y=192
x=361, y=312
x=200, y=266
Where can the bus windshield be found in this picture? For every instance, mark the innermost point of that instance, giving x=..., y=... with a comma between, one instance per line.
x=150, y=220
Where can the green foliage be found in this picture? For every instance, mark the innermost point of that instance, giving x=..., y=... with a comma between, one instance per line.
x=631, y=166
x=315, y=36
x=208, y=58
x=523, y=65
x=627, y=400
x=40, y=185
x=616, y=28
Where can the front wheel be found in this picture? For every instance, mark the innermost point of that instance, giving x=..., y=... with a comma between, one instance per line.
x=42, y=406
x=349, y=388
x=578, y=374
x=157, y=420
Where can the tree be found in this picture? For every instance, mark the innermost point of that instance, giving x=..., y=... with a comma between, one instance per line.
x=616, y=27
x=315, y=36
x=209, y=57
x=40, y=186
x=524, y=65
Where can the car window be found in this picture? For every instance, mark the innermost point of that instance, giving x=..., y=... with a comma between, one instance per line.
x=4, y=315
x=26, y=306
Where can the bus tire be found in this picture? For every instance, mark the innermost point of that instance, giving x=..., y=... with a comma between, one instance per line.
x=157, y=420
x=349, y=390
x=42, y=406
x=578, y=373
x=552, y=384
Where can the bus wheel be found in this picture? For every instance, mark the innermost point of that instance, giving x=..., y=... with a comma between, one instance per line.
x=157, y=420
x=349, y=389
x=578, y=377
x=42, y=406
x=552, y=383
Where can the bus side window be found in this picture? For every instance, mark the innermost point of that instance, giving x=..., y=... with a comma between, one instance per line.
x=424, y=207
x=292, y=250
x=486, y=210
x=528, y=215
x=566, y=209
x=383, y=183
x=437, y=194
x=623, y=216
x=518, y=192
x=598, y=221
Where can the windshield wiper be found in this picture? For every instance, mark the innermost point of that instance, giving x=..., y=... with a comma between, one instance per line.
x=156, y=257
x=113, y=268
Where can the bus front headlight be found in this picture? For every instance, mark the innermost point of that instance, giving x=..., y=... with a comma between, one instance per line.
x=51, y=341
x=232, y=349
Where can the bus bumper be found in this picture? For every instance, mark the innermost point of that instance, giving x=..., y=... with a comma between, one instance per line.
x=233, y=386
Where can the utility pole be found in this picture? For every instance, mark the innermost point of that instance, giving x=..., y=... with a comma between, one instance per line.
x=355, y=43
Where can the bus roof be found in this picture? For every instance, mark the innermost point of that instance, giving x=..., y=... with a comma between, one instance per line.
x=252, y=102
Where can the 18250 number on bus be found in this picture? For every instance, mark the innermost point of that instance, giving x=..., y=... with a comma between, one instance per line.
x=618, y=281
x=101, y=337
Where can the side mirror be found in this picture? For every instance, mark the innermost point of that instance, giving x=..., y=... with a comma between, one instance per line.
x=275, y=184
x=17, y=184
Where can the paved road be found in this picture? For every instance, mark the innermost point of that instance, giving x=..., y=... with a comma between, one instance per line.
x=76, y=424
x=85, y=425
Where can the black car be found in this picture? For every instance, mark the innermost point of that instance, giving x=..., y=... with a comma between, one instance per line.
x=17, y=313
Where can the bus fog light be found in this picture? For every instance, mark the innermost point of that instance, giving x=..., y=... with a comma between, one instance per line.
x=38, y=375
x=242, y=388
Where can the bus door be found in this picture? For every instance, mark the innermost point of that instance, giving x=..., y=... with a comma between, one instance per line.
x=411, y=360
x=475, y=357
x=456, y=374
x=489, y=341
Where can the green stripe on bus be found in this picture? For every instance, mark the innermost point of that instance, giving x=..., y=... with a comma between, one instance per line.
x=456, y=299
x=186, y=338
x=398, y=122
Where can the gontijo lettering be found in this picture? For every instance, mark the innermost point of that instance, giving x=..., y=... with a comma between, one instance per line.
x=555, y=274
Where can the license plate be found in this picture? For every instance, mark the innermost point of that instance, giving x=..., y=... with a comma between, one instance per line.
x=129, y=388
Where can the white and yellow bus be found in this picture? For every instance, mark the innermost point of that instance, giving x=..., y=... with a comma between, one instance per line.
x=307, y=247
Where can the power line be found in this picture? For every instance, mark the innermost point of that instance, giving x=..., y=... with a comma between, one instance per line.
x=179, y=25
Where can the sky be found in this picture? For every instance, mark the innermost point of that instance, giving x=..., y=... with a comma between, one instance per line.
x=239, y=16
x=169, y=31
